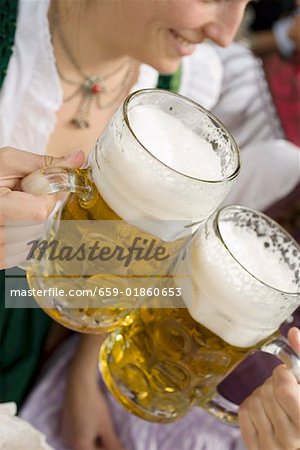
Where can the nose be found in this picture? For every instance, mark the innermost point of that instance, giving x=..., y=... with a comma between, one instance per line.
x=224, y=27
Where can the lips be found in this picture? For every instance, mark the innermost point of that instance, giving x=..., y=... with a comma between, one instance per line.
x=183, y=45
x=182, y=39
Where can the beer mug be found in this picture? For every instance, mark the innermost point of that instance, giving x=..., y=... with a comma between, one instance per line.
x=162, y=164
x=245, y=273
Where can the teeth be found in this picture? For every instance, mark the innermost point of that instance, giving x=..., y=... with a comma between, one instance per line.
x=183, y=42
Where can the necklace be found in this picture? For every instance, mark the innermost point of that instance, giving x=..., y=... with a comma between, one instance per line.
x=92, y=88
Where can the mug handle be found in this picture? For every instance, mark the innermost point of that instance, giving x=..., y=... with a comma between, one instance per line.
x=227, y=411
x=60, y=179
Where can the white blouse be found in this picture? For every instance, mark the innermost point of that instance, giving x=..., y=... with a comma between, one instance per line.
x=31, y=92
x=230, y=82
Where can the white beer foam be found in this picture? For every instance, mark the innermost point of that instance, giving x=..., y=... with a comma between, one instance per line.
x=139, y=187
x=231, y=305
x=177, y=146
x=257, y=259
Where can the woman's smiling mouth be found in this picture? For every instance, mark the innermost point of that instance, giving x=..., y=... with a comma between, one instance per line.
x=183, y=46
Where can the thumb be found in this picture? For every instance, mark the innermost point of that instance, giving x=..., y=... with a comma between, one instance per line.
x=45, y=183
x=75, y=159
x=15, y=163
x=294, y=339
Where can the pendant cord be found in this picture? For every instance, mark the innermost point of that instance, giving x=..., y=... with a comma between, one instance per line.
x=92, y=87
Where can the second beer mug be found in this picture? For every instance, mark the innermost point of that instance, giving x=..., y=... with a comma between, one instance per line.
x=162, y=164
x=245, y=281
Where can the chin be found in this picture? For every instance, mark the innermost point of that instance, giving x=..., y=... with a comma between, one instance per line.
x=166, y=67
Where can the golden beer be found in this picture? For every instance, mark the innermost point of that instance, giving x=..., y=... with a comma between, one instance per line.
x=163, y=164
x=165, y=363
x=172, y=358
x=91, y=314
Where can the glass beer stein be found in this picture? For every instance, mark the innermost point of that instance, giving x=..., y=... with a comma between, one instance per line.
x=162, y=164
x=245, y=283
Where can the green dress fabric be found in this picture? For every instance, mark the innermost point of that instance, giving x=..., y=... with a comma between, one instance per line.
x=8, y=15
x=23, y=331
x=170, y=82
x=22, y=336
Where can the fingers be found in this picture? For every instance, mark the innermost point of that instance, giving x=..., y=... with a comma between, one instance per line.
x=108, y=440
x=287, y=393
x=17, y=252
x=270, y=417
x=16, y=163
x=86, y=421
x=20, y=206
x=14, y=232
x=285, y=429
x=100, y=442
x=17, y=210
x=247, y=427
x=256, y=428
x=75, y=159
x=39, y=183
x=9, y=261
x=294, y=339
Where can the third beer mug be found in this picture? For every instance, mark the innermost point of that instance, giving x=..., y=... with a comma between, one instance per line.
x=162, y=164
x=245, y=281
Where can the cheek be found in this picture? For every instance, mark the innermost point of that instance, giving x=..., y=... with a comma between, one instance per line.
x=144, y=17
x=188, y=14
